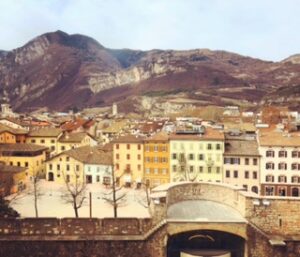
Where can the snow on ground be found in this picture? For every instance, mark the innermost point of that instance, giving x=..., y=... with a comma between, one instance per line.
x=51, y=203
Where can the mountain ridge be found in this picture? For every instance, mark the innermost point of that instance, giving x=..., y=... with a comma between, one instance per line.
x=62, y=71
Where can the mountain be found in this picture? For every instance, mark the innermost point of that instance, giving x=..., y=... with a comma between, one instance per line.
x=62, y=71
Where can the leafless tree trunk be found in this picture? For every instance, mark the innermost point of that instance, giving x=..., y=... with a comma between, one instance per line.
x=115, y=197
x=75, y=192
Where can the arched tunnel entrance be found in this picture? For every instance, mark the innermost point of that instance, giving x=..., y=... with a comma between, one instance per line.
x=205, y=243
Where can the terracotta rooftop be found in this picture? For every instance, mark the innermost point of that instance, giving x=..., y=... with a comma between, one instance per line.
x=45, y=132
x=241, y=148
x=77, y=123
x=90, y=155
x=21, y=148
x=161, y=136
x=210, y=134
x=4, y=128
x=279, y=139
x=73, y=137
x=129, y=139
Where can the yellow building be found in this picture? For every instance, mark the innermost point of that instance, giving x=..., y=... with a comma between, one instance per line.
x=128, y=157
x=30, y=156
x=156, y=160
x=86, y=164
x=74, y=140
x=12, y=179
x=47, y=137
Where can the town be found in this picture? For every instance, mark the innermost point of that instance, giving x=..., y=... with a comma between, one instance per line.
x=258, y=152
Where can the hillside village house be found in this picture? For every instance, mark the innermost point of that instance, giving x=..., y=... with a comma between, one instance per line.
x=30, y=156
x=242, y=163
x=13, y=123
x=10, y=135
x=87, y=164
x=280, y=163
x=156, y=160
x=80, y=125
x=196, y=155
x=128, y=158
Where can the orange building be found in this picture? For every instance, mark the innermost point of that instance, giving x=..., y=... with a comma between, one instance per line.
x=156, y=160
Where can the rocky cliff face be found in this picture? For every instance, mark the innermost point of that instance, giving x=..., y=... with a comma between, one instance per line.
x=62, y=71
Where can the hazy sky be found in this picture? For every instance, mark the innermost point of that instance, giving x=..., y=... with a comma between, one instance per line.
x=267, y=29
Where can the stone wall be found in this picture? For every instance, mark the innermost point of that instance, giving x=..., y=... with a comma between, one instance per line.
x=73, y=226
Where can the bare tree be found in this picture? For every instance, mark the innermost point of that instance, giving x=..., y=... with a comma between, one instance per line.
x=75, y=191
x=144, y=200
x=184, y=171
x=115, y=197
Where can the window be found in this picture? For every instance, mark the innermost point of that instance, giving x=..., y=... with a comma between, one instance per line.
x=147, y=159
x=218, y=146
x=26, y=164
x=139, y=156
x=201, y=157
x=89, y=168
x=269, y=178
x=209, y=147
x=58, y=166
x=11, y=163
x=164, y=171
x=128, y=156
x=295, y=154
x=235, y=174
x=182, y=159
x=246, y=161
x=117, y=146
x=295, y=179
x=269, y=190
x=282, y=179
x=139, y=147
x=68, y=167
x=128, y=146
x=191, y=169
x=282, y=154
x=282, y=166
x=156, y=171
x=218, y=169
x=227, y=173
x=245, y=187
x=282, y=191
x=295, y=166
x=117, y=166
x=155, y=148
x=227, y=160
x=63, y=148
x=42, y=141
x=191, y=156
x=174, y=156
x=270, y=153
x=147, y=148
x=254, y=174
x=164, y=159
x=201, y=169
x=235, y=161
x=139, y=167
x=68, y=178
x=50, y=166
x=147, y=170
x=182, y=168
x=246, y=174
x=52, y=148
x=77, y=167
x=97, y=178
x=52, y=141
x=270, y=166
x=209, y=169
x=33, y=141
x=117, y=156
x=174, y=168
x=254, y=161
x=155, y=159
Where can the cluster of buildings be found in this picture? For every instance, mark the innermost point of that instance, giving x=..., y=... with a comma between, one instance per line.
x=262, y=157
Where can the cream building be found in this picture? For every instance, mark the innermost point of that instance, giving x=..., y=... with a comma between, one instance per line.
x=280, y=163
x=197, y=157
x=242, y=163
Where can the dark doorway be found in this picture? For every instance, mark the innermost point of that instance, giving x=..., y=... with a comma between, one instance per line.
x=207, y=243
x=295, y=191
x=89, y=179
x=50, y=176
